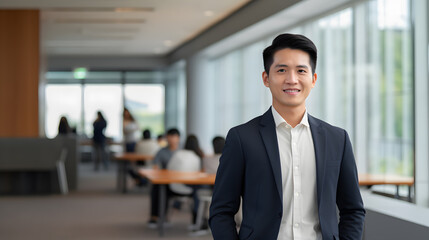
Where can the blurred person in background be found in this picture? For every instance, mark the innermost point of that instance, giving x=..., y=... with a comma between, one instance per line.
x=211, y=163
x=130, y=129
x=162, y=142
x=64, y=127
x=147, y=145
x=161, y=161
x=163, y=156
x=187, y=159
x=99, y=142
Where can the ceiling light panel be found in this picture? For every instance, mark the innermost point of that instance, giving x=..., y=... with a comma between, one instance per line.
x=100, y=21
x=101, y=9
x=141, y=27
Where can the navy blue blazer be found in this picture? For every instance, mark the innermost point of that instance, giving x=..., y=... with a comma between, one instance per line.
x=250, y=169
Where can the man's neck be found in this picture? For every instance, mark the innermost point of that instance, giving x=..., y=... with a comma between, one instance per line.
x=292, y=115
x=172, y=148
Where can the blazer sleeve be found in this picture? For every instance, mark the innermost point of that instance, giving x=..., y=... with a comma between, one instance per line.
x=227, y=189
x=349, y=200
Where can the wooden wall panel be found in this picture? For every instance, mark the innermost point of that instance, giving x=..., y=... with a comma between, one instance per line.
x=19, y=73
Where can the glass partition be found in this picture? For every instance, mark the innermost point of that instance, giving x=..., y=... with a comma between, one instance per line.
x=146, y=104
x=106, y=98
x=63, y=100
x=108, y=92
x=365, y=83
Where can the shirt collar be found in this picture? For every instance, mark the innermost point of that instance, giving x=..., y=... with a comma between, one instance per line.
x=278, y=119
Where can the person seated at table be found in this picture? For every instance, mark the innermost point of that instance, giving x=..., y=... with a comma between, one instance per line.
x=161, y=160
x=146, y=146
x=162, y=142
x=186, y=160
x=211, y=163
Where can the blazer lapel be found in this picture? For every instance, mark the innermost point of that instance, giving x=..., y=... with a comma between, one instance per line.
x=319, y=141
x=269, y=136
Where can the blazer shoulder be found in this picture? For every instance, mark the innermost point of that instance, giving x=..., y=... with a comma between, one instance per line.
x=330, y=129
x=252, y=124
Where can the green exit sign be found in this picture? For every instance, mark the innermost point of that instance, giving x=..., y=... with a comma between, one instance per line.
x=80, y=73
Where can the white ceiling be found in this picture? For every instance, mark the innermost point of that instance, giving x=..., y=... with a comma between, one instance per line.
x=277, y=23
x=123, y=27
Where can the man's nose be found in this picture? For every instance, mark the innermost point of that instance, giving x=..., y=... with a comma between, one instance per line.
x=291, y=78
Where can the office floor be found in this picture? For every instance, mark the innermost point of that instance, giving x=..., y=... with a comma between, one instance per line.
x=95, y=211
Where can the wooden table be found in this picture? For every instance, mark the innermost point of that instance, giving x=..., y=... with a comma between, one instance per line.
x=123, y=160
x=370, y=180
x=164, y=177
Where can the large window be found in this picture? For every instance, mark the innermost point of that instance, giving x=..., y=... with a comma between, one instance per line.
x=62, y=100
x=365, y=82
x=146, y=103
x=333, y=98
x=108, y=92
x=238, y=87
x=390, y=99
x=106, y=98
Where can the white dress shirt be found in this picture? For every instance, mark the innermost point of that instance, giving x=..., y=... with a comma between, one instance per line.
x=300, y=219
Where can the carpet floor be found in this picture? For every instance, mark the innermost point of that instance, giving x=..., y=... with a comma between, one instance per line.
x=95, y=211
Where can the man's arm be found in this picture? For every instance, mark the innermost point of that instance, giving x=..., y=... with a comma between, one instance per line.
x=227, y=190
x=349, y=200
x=157, y=160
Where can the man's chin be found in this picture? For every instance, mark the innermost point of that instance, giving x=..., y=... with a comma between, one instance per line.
x=291, y=104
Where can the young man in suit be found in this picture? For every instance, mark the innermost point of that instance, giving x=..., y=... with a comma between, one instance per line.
x=291, y=170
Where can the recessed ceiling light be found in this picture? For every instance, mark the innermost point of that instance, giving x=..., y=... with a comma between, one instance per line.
x=208, y=13
x=100, y=20
x=168, y=43
x=134, y=9
x=102, y=9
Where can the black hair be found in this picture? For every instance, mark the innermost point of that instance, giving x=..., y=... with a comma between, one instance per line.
x=173, y=131
x=64, y=127
x=193, y=145
x=146, y=134
x=131, y=116
x=100, y=116
x=292, y=41
x=218, y=144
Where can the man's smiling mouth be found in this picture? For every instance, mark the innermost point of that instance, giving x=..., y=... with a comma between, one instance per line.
x=291, y=90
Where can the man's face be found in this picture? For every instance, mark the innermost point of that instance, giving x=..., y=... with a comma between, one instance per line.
x=290, y=79
x=173, y=140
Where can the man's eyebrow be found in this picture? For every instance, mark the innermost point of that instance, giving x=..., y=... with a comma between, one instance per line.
x=302, y=66
x=280, y=65
x=284, y=65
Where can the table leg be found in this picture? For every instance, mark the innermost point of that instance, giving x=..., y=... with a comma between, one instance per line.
x=121, y=182
x=397, y=192
x=119, y=177
x=162, y=201
x=409, y=193
x=124, y=176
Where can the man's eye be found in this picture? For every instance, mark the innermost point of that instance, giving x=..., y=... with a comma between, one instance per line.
x=302, y=71
x=281, y=70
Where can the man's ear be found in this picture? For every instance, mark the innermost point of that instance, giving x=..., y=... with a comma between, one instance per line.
x=265, y=79
x=314, y=80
